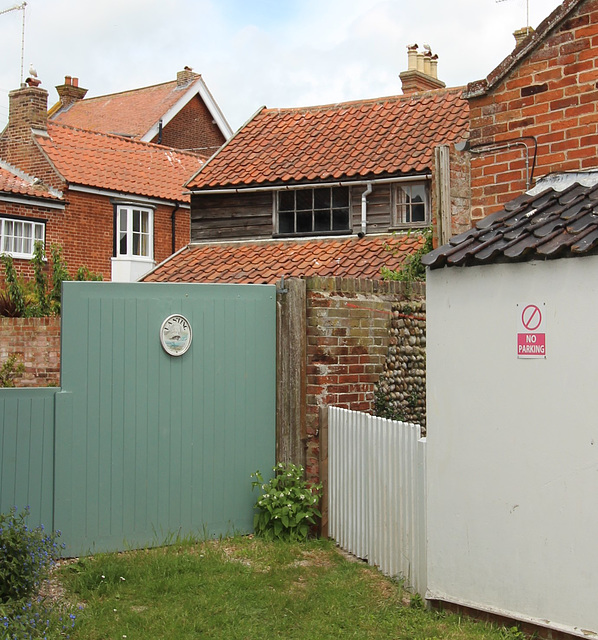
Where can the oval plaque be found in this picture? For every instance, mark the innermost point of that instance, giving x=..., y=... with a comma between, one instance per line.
x=175, y=335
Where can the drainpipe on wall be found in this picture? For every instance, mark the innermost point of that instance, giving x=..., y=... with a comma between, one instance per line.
x=364, y=209
x=173, y=226
x=160, y=131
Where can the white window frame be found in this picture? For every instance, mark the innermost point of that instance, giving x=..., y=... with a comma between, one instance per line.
x=402, y=211
x=330, y=210
x=129, y=211
x=12, y=244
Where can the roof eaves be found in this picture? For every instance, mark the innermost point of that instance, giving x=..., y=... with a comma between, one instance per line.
x=478, y=88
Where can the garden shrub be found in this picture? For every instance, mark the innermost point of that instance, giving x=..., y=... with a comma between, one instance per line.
x=26, y=556
x=288, y=506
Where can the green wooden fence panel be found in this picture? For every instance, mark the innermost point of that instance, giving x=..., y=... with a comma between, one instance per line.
x=27, y=452
x=151, y=446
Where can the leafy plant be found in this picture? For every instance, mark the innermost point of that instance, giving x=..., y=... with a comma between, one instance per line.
x=44, y=300
x=413, y=270
x=41, y=280
x=288, y=505
x=11, y=368
x=14, y=288
x=8, y=308
x=26, y=556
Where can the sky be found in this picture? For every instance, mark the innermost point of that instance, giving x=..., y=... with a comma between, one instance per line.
x=278, y=53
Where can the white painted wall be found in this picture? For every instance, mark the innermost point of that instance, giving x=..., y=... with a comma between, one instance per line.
x=513, y=444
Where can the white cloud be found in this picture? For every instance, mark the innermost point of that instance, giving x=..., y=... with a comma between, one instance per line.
x=254, y=52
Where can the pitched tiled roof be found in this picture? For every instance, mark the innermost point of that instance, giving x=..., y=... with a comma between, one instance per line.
x=15, y=183
x=480, y=87
x=351, y=140
x=549, y=224
x=264, y=262
x=117, y=164
x=134, y=113
x=130, y=113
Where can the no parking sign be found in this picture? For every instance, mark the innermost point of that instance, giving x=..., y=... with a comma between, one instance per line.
x=531, y=335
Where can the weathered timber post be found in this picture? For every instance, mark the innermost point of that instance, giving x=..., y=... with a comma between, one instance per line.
x=291, y=337
x=323, y=420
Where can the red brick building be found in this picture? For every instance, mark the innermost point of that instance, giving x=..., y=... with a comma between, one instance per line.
x=537, y=112
x=115, y=205
x=181, y=113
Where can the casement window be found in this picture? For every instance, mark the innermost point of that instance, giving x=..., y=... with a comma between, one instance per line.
x=18, y=236
x=312, y=211
x=134, y=232
x=410, y=204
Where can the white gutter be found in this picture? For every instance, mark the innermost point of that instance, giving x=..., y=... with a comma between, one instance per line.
x=33, y=202
x=130, y=197
x=315, y=185
x=364, y=209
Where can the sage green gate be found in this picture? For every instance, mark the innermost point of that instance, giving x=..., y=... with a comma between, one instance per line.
x=148, y=445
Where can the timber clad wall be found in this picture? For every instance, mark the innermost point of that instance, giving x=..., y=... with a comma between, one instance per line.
x=36, y=341
x=348, y=324
x=250, y=215
x=552, y=95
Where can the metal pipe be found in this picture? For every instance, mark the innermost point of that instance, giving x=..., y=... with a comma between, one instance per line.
x=508, y=144
x=364, y=209
x=173, y=226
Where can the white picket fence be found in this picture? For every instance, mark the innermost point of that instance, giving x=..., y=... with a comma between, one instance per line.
x=377, y=493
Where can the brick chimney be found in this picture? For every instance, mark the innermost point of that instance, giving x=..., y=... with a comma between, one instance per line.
x=70, y=92
x=422, y=71
x=28, y=109
x=522, y=34
x=184, y=77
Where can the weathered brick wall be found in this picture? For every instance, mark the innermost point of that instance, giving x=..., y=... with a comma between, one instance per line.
x=552, y=94
x=85, y=232
x=36, y=341
x=348, y=324
x=193, y=128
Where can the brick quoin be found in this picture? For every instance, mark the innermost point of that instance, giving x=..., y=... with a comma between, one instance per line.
x=551, y=94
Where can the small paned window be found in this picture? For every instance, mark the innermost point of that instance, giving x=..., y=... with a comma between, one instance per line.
x=135, y=232
x=18, y=237
x=308, y=211
x=411, y=204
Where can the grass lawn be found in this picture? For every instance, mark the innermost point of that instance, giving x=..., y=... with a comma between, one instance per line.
x=245, y=588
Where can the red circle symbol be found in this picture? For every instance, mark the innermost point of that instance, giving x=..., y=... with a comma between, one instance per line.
x=531, y=317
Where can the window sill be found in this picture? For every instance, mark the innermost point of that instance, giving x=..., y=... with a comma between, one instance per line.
x=314, y=234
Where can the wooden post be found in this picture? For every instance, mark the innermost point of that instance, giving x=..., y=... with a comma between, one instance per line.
x=291, y=350
x=323, y=419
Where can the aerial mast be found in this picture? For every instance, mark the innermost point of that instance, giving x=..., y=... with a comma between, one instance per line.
x=19, y=7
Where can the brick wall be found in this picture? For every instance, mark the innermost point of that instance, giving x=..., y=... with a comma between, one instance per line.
x=85, y=232
x=36, y=341
x=551, y=94
x=348, y=324
x=193, y=128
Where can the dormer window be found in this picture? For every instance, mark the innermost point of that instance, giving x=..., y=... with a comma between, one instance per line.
x=313, y=211
x=410, y=204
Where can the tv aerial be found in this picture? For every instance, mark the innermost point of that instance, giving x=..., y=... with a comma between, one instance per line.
x=19, y=7
x=527, y=11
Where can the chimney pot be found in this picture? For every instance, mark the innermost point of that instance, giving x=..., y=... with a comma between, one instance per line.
x=422, y=71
